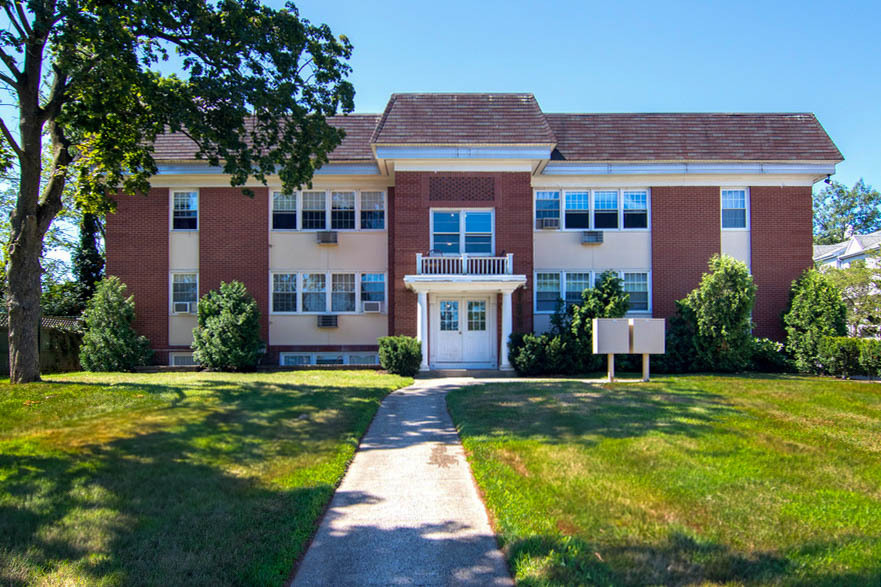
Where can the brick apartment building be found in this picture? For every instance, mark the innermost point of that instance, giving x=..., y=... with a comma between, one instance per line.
x=461, y=218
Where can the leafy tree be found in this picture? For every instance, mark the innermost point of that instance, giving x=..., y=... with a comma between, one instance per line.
x=62, y=298
x=88, y=258
x=839, y=210
x=109, y=342
x=815, y=310
x=227, y=337
x=720, y=310
x=860, y=286
x=256, y=88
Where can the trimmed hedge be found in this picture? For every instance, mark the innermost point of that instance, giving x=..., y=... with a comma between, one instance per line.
x=400, y=355
x=839, y=356
x=870, y=357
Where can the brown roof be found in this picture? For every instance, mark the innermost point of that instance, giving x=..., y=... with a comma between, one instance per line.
x=355, y=146
x=456, y=119
x=696, y=137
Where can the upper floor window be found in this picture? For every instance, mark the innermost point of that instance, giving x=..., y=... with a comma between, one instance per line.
x=372, y=287
x=578, y=210
x=372, y=211
x=457, y=231
x=342, y=213
x=185, y=214
x=605, y=204
x=547, y=209
x=314, y=211
x=734, y=205
x=284, y=211
x=635, y=209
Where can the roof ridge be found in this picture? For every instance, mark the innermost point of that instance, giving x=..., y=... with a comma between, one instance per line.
x=681, y=114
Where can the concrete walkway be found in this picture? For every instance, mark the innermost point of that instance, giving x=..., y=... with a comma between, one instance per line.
x=407, y=512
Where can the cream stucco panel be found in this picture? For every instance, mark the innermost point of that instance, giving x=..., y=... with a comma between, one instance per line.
x=183, y=250
x=298, y=251
x=180, y=330
x=736, y=244
x=620, y=250
x=353, y=329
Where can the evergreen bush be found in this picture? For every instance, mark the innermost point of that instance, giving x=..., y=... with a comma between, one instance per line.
x=870, y=357
x=401, y=355
x=816, y=310
x=840, y=356
x=227, y=335
x=109, y=341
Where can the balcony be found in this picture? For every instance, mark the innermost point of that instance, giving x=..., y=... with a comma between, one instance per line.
x=464, y=264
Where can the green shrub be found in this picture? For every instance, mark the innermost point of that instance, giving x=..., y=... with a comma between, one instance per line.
x=870, y=357
x=227, y=335
x=840, y=356
x=401, y=355
x=109, y=341
x=769, y=356
x=815, y=311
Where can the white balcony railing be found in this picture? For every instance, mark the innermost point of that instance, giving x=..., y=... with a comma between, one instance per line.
x=464, y=265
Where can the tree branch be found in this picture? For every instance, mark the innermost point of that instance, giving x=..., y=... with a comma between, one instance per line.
x=12, y=66
x=56, y=95
x=10, y=139
x=24, y=20
x=12, y=19
x=50, y=203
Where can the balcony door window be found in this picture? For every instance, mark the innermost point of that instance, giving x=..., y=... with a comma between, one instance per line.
x=462, y=231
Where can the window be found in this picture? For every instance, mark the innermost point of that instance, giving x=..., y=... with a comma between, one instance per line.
x=445, y=235
x=733, y=208
x=304, y=359
x=637, y=285
x=547, y=288
x=284, y=211
x=342, y=298
x=284, y=292
x=372, y=211
x=547, y=206
x=575, y=284
x=365, y=359
x=342, y=212
x=184, y=289
x=372, y=287
x=291, y=360
x=449, y=316
x=635, y=209
x=314, y=211
x=577, y=210
x=314, y=292
x=605, y=209
x=186, y=211
x=478, y=232
x=329, y=359
x=476, y=316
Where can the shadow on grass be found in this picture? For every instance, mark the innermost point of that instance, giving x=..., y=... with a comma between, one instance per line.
x=226, y=491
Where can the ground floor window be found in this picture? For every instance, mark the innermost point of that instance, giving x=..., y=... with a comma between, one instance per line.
x=295, y=359
x=554, y=287
x=182, y=360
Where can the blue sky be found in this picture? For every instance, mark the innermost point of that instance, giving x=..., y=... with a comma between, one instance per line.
x=773, y=56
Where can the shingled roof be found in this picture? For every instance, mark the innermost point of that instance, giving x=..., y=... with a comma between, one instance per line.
x=691, y=137
x=459, y=119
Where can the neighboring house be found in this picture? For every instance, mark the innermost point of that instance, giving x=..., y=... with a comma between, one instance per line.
x=461, y=218
x=859, y=247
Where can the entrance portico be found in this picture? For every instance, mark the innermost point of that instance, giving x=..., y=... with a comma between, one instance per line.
x=456, y=319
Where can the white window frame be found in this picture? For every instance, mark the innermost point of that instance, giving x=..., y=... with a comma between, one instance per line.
x=560, y=294
x=171, y=275
x=462, y=212
x=297, y=195
x=298, y=300
x=328, y=291
x=328, y=209
x=171, y=192
x=360, y=277
x=564, y=209
x=746, y=204
x=563, y=190
x=648, y=210
x=648, y=278
x=313, y=357
x=561, y=209
x=594, y=274
x=175, y=354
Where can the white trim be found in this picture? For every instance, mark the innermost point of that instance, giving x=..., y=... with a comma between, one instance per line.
x=566, y=168
x=469, y=165
x=464, y=284
x=746, y=227
x=171, y=275
x=183, y=190
x=463, y=152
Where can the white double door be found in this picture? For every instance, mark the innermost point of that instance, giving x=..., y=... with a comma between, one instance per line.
x=463, y=331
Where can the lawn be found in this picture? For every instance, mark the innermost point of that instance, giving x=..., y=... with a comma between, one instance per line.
x=689, y=480
x=173, y=478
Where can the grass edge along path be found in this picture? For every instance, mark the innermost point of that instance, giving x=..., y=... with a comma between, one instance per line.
x=685, y=480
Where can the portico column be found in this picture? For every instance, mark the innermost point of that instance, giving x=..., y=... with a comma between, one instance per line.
x=507, y=321
x=422, y=327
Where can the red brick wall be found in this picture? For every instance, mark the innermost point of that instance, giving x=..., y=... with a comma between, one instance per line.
x=136, y=241
x=781, y=248
x=234, y=243
x=409, y=234
x=686, y=232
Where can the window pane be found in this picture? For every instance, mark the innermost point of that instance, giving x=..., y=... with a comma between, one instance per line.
x=449, y=316
x=314, y=298
x=372, y=287
x=605, y=200
x=733, y=218
x=636, y=284
x=342, y=214
x=314, y=211
x=295, y=360
x=605, y=219
x=446, y=243
x=478, y=222
x=547, y=287
x=284, y=202
x=363, y=359
x=446, y=222
x=185, y=215
x=635, y=200
x=733, y=199
x=575, y=284
x=184, y=287
x=635, y=219
x=481, y=244
x=284, y=220
x=577, y=219
x=284, y=292
x=477, y=316
x=328, y=359
x=547, y=204
x=577, y=201
x=372, y=211
x=343, y=292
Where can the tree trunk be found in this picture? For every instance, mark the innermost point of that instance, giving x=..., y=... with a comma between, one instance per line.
x=23, y=302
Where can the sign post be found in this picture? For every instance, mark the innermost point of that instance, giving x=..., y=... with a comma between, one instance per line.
x=634, y=336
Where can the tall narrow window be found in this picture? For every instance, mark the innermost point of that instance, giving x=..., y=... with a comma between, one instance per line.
x=605, y=209
x=636, y=209
x=284, y=292
x=342, y=292
x=314, y=211
x=372, y=287
x=186, y=211
x=284, y=211
x=547, y=288
x=342, y=212
x=314, y=292
x=577, y=210
x=547, y=209
x=445, y=235
x=575, y=284
x=637, y=285
x=184, y=292
x=733, y=208
x=478, y=232
x=372, y=211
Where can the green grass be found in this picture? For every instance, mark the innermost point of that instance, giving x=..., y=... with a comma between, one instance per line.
x=173, y=478
x=689, y=480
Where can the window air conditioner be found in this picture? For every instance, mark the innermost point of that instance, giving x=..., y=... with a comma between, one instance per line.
x=592, y=237
x=328, y=321
x=184, y=307
x=371, y=307
x=547, y=223
x=327, y=237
